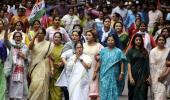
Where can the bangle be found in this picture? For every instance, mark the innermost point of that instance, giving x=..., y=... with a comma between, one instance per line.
x=52, y=68
x=121, y=72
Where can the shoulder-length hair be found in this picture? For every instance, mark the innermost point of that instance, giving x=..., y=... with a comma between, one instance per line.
x=141, y=47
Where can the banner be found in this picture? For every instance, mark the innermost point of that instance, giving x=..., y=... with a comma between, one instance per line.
x=37, y=11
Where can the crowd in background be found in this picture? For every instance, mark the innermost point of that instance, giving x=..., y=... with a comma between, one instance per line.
x=85, y=50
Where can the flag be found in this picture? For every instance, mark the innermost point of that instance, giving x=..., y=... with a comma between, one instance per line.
x=38, y=11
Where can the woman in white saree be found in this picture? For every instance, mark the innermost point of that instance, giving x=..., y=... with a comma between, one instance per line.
x=157, y=65
x=79, y=81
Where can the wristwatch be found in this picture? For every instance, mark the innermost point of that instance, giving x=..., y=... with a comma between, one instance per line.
x=81, y=60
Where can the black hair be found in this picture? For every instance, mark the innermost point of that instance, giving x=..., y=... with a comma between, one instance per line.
x=155, y=29
x=79, y=33
x=55, y=17
x=16, y=33
x=70, y=9
x=133, y=41
x=114, y=37
x=107, y=17
x=153, y=4
x=116, y=23
x=22, y=24
x=94, y=34
x=117, y=15
x=19, y=10
x=159, y=37
x=77, y=44
x=43, y=31
x=141, y=47
x=36, y=21
x=59, y=34
x=143, y=23
x=164, y=29
x=81, y=28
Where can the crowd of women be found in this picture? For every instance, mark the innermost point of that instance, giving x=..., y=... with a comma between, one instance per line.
x=79, y=58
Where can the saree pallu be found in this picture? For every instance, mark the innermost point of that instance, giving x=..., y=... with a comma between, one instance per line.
x=55, y=92
x=39, y=87
x=2, y=82
x=3, y=55
x=79, y=81
x=140, y=73
x=124, y=39
x=157, y=66
x=18, y=88
x=108, y=76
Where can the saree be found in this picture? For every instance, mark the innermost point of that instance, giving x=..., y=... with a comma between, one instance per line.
x=79, y=81
x=92, y=51
x=124, y=39
x=110, y=86
x=55, y=91
x=3, y=55
x=140, y=73
x=2, y=82
x=157, y=65
x=16, y=68
x=39, y=86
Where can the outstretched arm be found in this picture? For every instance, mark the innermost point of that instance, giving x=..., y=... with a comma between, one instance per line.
x=6, y=41
x=31, y=45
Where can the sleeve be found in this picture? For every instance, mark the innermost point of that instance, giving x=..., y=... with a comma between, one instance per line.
x=7, y=44
x=66, y=36
x=151, y=58
x=128, y=55
x=87, y=59
x=63, y=20
x=70, y=64
x=67, y=54
x=66, y=47
x=64, y=54
x=117, y=41
x=27, y=41
x=3, y=52
x=152, y=42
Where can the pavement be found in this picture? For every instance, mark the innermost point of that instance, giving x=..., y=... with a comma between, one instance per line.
x=125, y=93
